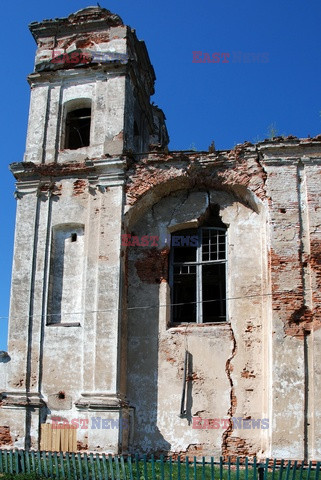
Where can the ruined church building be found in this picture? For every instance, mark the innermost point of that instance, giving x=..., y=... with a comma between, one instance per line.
x=162, y=301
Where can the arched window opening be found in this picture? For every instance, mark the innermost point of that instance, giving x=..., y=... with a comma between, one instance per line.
x=198, y=275
x=78, y=128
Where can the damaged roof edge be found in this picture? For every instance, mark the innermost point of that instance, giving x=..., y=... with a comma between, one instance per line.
x=85, y=20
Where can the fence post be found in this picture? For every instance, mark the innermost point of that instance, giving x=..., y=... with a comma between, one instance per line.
x=260, y=471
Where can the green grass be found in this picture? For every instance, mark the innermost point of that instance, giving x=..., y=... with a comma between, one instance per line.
x=20, y=476
x=90, y=467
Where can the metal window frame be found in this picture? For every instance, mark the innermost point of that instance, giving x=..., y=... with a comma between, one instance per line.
x=199, y=283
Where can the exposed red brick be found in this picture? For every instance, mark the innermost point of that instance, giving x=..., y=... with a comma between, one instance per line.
x=315, y=264
x=222, y=172
x=297, y=317
x=247, y=374
x=194, y=449
x=80, y=186
x=284, y=261
x=193, y=377
x=52, y=170
x=237, y=447
x=5, y=437
x=315, y=258
x=167, y=353
x=170, y=359
x=90, y=40
x=249, y=328
x=153, y=266
x=81, y=446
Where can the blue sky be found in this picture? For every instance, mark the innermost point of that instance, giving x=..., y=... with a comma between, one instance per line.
x=225, y=102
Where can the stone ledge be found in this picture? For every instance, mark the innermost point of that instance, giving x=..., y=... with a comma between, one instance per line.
x=22, y=400
x=101, y=401
x=71, y=324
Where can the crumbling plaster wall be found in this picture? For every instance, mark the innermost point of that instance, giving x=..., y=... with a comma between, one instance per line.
x=67, y=360
x=111, y=39
x=284, y=175
x=136, y=111
x=228, y=376
x=269, y=199
x=60, y=369
x=12, y=430
x=48, y=104
x=293, y=187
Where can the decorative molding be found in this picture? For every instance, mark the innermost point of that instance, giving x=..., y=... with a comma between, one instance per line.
x=22, y=400
x=101, y=401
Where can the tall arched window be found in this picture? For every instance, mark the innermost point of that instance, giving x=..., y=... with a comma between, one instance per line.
x=198, y=275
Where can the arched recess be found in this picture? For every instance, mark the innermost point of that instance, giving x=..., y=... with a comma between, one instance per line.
x=186, y=209
x=138, y=208
x=65, y=291
x=223, y=355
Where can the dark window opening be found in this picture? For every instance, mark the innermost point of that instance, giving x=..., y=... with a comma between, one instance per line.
x=184, y=297
x=213, y=288
x=78, y=128
x=198, y=275
x=74, y=237
x=136, y=131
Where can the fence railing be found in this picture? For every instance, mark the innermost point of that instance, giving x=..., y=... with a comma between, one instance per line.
x=74, y=466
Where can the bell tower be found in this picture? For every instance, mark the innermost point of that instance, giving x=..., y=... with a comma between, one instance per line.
x=90, y=113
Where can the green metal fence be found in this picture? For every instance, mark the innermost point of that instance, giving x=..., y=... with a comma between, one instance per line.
x=74, y=466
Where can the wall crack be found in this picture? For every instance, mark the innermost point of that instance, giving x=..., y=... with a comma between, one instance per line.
x=233, y=401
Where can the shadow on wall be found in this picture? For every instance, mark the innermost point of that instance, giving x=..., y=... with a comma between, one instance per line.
x=187, y=398
x=142, y=375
